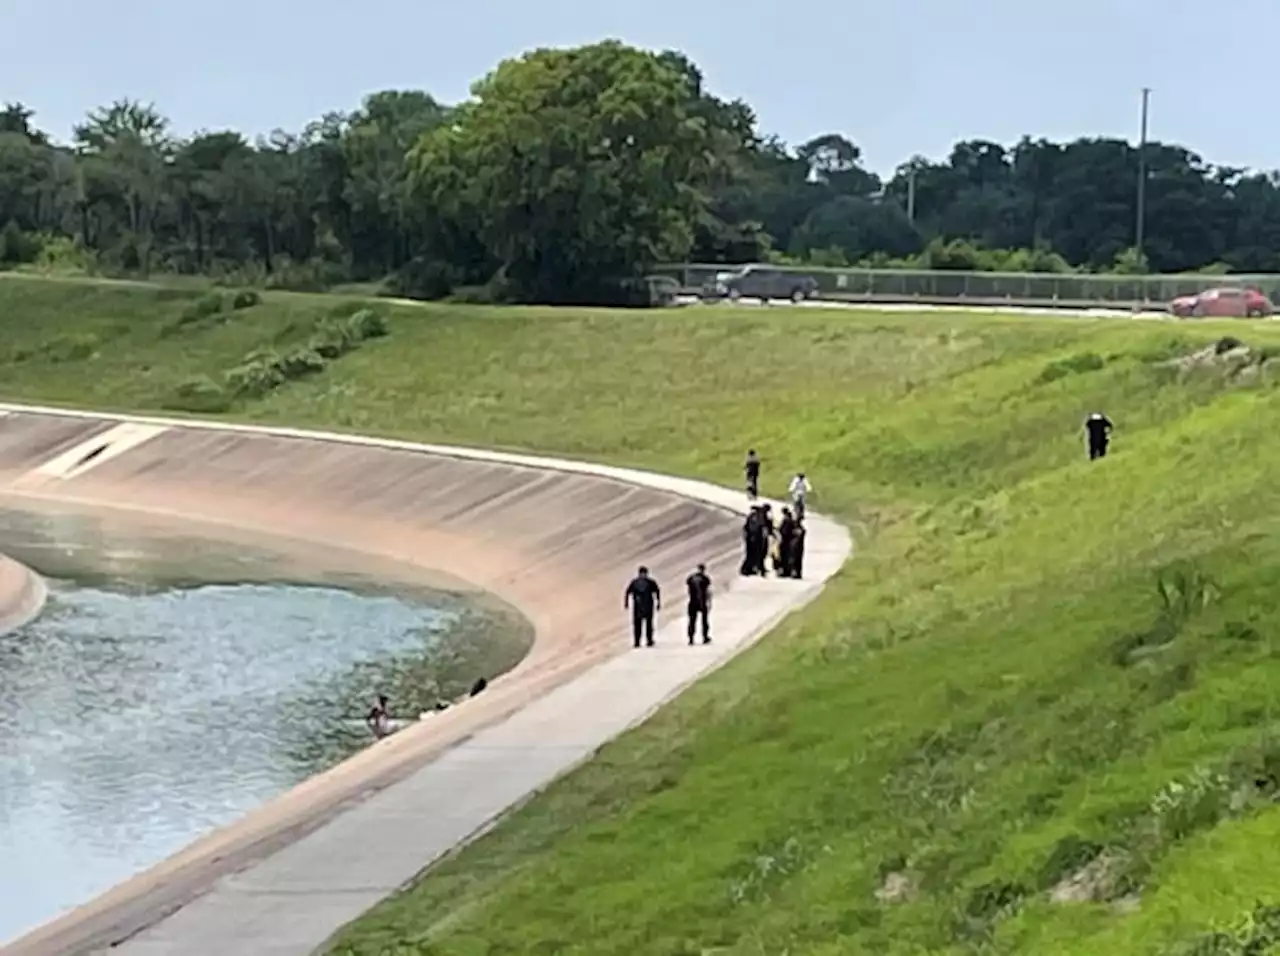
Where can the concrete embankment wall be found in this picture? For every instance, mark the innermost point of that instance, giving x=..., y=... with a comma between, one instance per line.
x=22, y=594
x=559, y=546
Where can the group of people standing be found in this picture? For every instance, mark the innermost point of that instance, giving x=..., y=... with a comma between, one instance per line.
x=784, y=543
x=644, y=597
x=763, y=541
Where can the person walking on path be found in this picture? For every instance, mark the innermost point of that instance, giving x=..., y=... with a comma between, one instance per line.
x=799, y=489
x=699, y=603
x=644, y=597
x=753, y=542
x=1098, y=427
x=751, y=469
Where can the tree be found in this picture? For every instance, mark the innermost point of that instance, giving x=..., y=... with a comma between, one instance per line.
x=579, y=167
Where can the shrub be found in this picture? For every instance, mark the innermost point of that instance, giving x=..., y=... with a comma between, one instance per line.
x=209, y=304
x=422, y=278
x=300, y=363
x=246, y=299
x=254, y=379
x=1074, y=365
x=368, y=324
x=18, y=247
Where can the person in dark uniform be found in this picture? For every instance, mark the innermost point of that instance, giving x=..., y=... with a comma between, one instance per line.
x=751, y=468
x=786, y=539
x=752, y=541
x=1098, y=427
x=644, y=597
x=797, y=550
x=766, y=518
x=699, y=603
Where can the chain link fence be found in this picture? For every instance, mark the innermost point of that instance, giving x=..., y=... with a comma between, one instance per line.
x=991, y=288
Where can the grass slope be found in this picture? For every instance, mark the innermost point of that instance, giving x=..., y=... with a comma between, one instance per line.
x=1039, y=678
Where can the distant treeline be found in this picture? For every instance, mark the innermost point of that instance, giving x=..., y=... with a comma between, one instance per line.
x=570, y=170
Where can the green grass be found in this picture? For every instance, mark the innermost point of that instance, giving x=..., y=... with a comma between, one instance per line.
x=1034, y=668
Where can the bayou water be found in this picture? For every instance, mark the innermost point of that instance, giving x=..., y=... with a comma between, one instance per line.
x=174, y=683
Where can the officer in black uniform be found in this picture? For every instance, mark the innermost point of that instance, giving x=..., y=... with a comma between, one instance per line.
x=1098, y=427
x=644, y=597
x=699, y=586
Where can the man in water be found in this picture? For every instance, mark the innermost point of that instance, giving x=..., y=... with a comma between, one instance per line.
x=644, y=597
x=1098, y=427
x=751, y=468
x=699, y=585
x=800, y=487
x=378, y=718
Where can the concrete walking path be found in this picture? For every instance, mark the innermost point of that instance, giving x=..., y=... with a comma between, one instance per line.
x=290, y=903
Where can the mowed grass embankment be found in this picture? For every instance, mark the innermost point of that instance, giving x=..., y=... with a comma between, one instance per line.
x=1035, y=714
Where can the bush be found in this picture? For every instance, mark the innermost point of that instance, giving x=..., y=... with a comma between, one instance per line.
x=209, y=304
x=201, y=394
x=246, y=299
x=254, y=379
x=368, y=324
x=315, y=275
x=300, y=363
x=421, y=278
x=18, y=248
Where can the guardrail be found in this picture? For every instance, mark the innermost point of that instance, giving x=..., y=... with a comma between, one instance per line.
x=1021, y=288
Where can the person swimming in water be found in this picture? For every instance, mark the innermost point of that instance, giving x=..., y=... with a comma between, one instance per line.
x=378, y=719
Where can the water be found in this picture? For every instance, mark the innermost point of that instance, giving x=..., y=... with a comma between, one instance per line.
x=142, y=710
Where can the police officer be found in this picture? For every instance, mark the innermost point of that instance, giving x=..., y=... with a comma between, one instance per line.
x=644, y=597
x=699, y=585
x=751, y=469
x=797, y=550
x=786, y=542
x=1098, y=427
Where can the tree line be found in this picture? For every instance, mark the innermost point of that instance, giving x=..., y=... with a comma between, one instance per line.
x=568, y=174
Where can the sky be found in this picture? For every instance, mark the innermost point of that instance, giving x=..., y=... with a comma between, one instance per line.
x=898, y=78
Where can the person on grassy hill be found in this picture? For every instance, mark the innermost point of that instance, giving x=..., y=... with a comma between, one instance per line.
x=786, y=541
x=751, y=468
x=644, y=597
x=1098, y=427
x=795, y=567
x=699, y=585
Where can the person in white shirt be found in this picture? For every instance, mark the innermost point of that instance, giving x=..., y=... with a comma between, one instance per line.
x=800, y=487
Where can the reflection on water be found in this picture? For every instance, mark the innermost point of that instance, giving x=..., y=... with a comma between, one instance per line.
x=135, y=718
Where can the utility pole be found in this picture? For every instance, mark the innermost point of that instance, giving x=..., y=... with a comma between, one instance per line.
x=1140, y=230
x=911, y=193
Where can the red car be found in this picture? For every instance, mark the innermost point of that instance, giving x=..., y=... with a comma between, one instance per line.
x=1234, y=303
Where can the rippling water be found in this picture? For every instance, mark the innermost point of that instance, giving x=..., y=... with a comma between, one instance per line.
x=136, y=716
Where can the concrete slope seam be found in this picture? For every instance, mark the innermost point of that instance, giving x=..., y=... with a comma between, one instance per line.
x=291, y=901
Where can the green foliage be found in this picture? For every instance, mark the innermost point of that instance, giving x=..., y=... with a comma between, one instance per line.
x=208, y=305
x=246, y=299
x=200, y=395
x=610, y=172
x=1076, y=364
x=571, y=169
x=16, y=246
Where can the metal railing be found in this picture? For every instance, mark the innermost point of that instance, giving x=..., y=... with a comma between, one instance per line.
x=902, y=285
